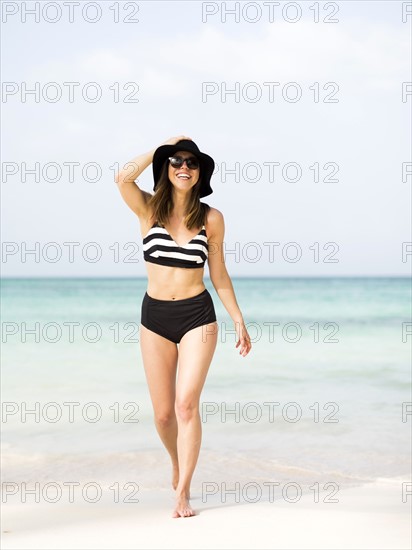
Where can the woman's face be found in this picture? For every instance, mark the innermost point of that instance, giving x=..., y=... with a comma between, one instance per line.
x=183, y=178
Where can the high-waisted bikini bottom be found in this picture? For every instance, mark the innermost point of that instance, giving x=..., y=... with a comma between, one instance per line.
x=173, y=318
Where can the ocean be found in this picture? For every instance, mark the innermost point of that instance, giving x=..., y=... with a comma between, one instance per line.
x=323, y=396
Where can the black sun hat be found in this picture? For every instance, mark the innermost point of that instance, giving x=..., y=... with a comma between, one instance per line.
x=206, y=163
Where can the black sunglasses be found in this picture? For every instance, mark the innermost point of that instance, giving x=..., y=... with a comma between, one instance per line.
x=177, y=162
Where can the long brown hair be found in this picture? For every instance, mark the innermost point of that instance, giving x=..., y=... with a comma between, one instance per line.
x=161, y=202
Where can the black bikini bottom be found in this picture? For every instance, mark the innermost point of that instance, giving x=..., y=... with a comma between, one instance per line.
x=173, y=318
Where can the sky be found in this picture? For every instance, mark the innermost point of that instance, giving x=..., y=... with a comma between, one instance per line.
x=304, y=106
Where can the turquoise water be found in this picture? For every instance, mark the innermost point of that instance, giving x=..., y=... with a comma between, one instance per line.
x=320, y=392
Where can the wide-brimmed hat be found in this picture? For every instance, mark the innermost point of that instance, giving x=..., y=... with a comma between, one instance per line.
x=207, y=164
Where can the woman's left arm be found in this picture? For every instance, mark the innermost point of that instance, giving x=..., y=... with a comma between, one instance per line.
x=221, y=280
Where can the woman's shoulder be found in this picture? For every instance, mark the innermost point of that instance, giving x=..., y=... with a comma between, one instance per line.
x=213, y=214
x=214, y=220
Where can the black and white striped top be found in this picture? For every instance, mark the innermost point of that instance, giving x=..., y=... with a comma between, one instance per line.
x=160, y=248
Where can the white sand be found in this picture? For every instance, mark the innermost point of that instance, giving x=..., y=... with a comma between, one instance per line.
x=371, y=516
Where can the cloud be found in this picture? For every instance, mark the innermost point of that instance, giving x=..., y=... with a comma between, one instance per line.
x=370, y=56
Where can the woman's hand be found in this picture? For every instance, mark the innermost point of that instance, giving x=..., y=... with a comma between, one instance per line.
x=243, y=339
x=174, y=140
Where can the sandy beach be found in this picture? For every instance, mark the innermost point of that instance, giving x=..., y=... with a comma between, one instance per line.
x=371, y=516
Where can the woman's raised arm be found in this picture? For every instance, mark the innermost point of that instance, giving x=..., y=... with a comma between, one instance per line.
x=135, y=198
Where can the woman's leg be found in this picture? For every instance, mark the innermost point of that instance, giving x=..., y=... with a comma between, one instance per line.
x=160, y=364
x=196, y=351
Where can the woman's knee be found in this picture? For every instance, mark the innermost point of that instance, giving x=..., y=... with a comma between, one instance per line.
x=186, y=409
x=165, y=418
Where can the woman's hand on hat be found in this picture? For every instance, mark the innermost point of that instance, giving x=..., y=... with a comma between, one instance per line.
x=174, y=140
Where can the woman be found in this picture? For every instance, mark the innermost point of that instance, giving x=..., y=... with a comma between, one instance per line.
x=179, y=233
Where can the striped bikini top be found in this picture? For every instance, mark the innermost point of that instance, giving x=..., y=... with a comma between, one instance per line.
x=160, y=248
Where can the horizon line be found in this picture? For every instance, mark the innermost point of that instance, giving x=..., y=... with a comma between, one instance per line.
x=140, y=277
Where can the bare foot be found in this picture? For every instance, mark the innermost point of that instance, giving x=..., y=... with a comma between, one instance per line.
x=183, y=508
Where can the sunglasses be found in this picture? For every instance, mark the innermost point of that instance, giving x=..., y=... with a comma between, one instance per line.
x=192, y=163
